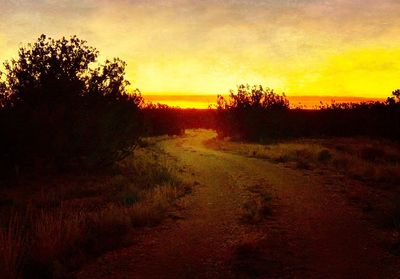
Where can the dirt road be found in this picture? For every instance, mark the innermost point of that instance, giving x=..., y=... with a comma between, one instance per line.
x=312, y=232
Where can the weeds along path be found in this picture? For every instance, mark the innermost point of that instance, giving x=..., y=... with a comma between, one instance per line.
x=229, y=229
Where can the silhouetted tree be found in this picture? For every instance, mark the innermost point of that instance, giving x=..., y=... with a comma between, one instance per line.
x=396, y=94
x=250, y=113
x=59, y=111
x=394, y=99
x=255, y=97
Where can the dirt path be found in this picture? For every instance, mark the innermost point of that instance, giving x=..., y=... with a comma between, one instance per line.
x=312, y=232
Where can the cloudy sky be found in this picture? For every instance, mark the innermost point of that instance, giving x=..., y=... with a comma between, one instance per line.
x=302, y=47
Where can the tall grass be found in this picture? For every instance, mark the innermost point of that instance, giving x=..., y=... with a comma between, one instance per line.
x=54, y=233
x=71, y=221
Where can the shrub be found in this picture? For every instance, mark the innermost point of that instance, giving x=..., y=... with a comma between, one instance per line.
x=251, y=113
x=258, y=114
x=162, y=120
x=57, y=111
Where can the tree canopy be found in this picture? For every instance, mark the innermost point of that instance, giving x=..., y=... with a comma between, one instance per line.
x=61, y=108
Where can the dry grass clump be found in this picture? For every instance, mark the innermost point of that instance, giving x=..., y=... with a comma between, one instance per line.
x=70, y=220
x=153, y=207
x=258, y=206
x=255, y=211
x=54, y=232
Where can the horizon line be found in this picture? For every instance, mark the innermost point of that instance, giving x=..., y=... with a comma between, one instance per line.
x=204, y=97
x=207, y=100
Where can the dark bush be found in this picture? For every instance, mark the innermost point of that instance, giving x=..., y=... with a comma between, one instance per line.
x=251, y=113
x=164, y=120
x=59, y=112
x=257, y=114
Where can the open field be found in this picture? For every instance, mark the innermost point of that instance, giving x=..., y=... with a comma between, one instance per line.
x=254, y=218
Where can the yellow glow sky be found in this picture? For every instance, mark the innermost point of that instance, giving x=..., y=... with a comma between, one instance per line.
x=301, y=47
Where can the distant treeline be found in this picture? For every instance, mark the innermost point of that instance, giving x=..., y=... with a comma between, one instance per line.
x=257, y=114
x=164, y=120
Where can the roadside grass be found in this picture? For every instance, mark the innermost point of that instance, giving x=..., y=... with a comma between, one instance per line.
x=375, y=161
x=48, y=229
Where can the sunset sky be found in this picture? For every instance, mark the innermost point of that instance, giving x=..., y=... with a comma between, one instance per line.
x=175, y=47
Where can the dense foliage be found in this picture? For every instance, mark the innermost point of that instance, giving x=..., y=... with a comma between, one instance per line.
x=164, y=120
x=255, y=113
x=60, y=111
x=251, y=113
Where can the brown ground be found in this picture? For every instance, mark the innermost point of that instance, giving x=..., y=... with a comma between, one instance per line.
x=312, y=232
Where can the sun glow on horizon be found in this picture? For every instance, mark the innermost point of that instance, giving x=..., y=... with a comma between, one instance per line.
x=210, y=101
